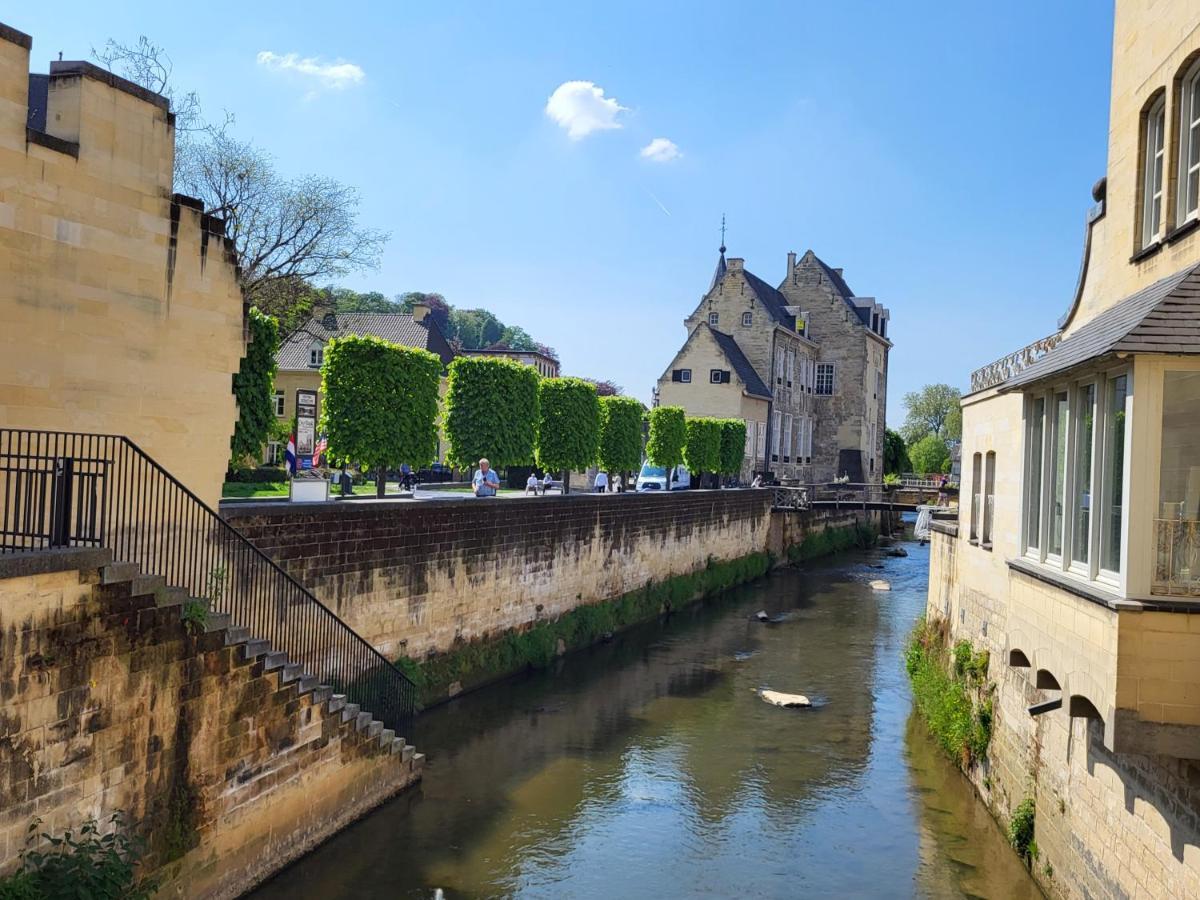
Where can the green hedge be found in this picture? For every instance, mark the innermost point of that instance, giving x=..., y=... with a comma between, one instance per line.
x=733, y=446
x=620, y=434
x=702, y=448
x=491, y=411
x=568, y=424
x=668, y=433
x=254, y=386
x=259, y=475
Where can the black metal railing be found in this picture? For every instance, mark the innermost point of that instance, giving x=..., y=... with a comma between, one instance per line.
x=60, y=489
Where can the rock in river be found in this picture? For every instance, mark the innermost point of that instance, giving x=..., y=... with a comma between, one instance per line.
x=776, y=698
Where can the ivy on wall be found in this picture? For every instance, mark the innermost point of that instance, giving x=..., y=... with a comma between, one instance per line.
x=253, y=386
x=733, y=446
x=380, y=403
x=620, y=434
x=702, y=449
x=668, y=433
x=568, y=424
x=491, y=411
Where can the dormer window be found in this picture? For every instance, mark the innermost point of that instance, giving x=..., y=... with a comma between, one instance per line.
x=1153, y=155
x=1189, y=144
x=316, y=356
x=714, y=318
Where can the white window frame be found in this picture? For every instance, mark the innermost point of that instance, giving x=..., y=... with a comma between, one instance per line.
x=778, y=366
x=747, y=318
x=316, y=356
x=1076, y=414
x=1105, y=449
x=277, y=403
x=685, y=376
x=787, y=437
x=976, y=495
x=761, y=428
x=750, y=432
x=1189, y=136
x=1154, y=156
x=777, y=422
x=714, y=319
x=831, y=370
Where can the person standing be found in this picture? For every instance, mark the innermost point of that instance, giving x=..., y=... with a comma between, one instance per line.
x=601, y=483
x=486, y=481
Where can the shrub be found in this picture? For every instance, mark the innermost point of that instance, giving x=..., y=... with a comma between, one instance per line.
x=568, y=424
x=380, y=403
x=259, y=475
x=702, y=447
x=928, y=454
x=253, y=385
x=733, y=446
x=620, y=434
x=895, y=454
x=1020, y=828
x=491, y=411
x=949, y=693
x=668, y=433
x=891, y=479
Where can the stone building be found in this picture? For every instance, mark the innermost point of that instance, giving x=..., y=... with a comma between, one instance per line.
x=805, y=365
x=120, y=299
x=1076, y=558
x=546, y=365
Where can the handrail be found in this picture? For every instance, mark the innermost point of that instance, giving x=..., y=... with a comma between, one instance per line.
x=97, y=490
x=1006, y=367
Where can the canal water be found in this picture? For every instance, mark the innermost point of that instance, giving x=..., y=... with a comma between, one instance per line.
x=648, y=767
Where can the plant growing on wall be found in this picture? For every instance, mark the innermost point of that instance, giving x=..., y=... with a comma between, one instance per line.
x=491, y=411
x=702, y=447
x=253, y=386
x=733, y=446
x=668, y=433
x=380, y=404
x=568, y=425
x=620, y=434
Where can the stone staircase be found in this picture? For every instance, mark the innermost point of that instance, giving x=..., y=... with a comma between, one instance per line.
x=219, y=631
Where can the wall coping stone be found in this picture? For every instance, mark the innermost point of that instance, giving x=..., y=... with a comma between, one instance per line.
x=941, y=526
x=40, y=562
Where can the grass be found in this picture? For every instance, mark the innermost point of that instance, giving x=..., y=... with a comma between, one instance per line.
x=241, y=489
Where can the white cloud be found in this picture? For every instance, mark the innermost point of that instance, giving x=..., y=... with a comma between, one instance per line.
x=337, y=75
x=661, y=150
x=581, y=108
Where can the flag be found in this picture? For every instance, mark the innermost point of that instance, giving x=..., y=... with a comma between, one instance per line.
x=322, y=443
x=289, y=456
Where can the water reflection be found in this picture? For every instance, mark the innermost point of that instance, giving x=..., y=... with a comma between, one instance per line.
x=648, y=767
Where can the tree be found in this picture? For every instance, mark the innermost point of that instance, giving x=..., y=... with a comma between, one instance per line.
x=514, y=337
x=620, y=434
x=668, y=433
x=606, y=388
x=491, y=411
x=348, y=301
x=733, y=446
x=935, y=409
x=895, y=454
x=475, y=328
x=568, y=426
x=439, y=309
x=929, y=454
x=253, y=386
x=379, y=404
x=702, y=448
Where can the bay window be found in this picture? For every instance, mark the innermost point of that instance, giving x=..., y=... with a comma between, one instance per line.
x=1177, y=520
x=1081, y=474
x=1112, y=502
x=1058, y=474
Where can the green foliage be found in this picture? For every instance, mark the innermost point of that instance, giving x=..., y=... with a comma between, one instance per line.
x=668, y=434
x=935, y=409
x=620, y=434
x=947, y=465
x=491, y=411
x=79, y=865
x=895, y=454
x=257, y=475
x=380, y=402
x=928, y=454
x=950, y=692
x=828, y=541
x=477, y=662
x=195, y=616
x=568, y=424
x=891, y=479
x=253, y=385
x=733, y=446
x=702, y=449
x=1020, y=829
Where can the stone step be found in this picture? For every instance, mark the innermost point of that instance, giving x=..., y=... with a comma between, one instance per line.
x=146, y=585
x=363, y=721
x=254, y=649
x=309, y=683
x=234, y=635
x=374, y=727
x=397, y=746
x=274, y=660
x=322, y=693
x=172, y=596
x=291, y=672
x=216, y=622
x=386, y=737
x=119, y=572
x=408, y=752
x=349, y=711
x=337, y=702
x=418, y=761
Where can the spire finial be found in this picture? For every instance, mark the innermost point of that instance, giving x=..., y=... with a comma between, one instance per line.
x=722, y=232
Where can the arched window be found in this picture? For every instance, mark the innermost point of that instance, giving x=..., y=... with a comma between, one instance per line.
x=1153, y=153
x=1189, y=144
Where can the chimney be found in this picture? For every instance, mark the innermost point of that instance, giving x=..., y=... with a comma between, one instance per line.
x=420, y=310
x=791, y=264
x=735, y=264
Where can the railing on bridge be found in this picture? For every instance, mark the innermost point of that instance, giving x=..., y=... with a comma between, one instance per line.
x=837, y=494
x=61, y=489
x=919, y=482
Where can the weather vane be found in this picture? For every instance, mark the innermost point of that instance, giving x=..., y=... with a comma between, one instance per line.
x=722, y=232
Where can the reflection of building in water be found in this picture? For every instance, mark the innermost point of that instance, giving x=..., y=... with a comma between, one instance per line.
x=1077, y=557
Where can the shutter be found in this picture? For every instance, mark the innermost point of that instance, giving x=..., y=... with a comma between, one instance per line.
x=727, y=377
x=675, y=375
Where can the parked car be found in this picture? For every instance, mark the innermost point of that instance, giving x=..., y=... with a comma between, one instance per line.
x=654, y=478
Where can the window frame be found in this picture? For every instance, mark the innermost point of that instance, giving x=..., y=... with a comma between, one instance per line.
x=976, y=495
x=685, y=376
x=1189, y=133
x=1076, y=413
x=279, y=403
x=989, y=499
x=747, y=319
x=716, y=376
x=714, y=319
x=1108, y=576
x=831, y=370
x=316, y=355
x=1154, y=170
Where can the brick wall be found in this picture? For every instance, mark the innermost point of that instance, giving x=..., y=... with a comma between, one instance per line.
x=412, y=578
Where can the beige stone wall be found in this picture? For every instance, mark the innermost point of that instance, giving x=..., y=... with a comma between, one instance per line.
x=121, y=308
x=111, y=704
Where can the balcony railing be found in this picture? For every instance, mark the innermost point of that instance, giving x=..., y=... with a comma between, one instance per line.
x=61, y=489
x=1176, y=558
x=1006, y=367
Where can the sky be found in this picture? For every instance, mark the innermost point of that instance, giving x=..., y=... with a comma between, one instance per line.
x=567, y=165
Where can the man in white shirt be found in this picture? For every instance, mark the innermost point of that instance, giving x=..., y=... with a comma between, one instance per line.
x=531, y=484
x=486, y=481
x=601, y=483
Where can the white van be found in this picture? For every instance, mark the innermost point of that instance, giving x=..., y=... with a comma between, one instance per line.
x=654, y=478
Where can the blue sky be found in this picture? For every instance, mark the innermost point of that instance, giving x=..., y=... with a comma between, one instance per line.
x=942, y=154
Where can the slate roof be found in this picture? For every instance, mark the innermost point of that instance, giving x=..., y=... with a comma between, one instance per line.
x=1161, y=318
x=399, y=328
x=839, y=285
x=720, y=271
x=739, y=363
x=770, y=297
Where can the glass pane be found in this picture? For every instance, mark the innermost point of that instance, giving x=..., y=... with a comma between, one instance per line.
x=1193, y=191
x=1085, y=420
x=1058, y=474
x=976, y=494
x=1114, y=473
x=1033, y=497
x=1177, y=528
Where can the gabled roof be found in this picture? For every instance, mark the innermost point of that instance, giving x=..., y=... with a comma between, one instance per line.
x=399, y=328
x=1161, y=318
x=840, y=286
x=739, y=363
x=769, y=297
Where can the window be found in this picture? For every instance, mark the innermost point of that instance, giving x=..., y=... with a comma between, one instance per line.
x=878, y=384
x=762, y=436
x=1081, y=473
x=776, y=425
x=825, y=378
x=747, y=318
x=273, y=454
x=1177, y=525
x=316, y=356
x=1058, y=473
x=1113, y=484
x=277, y=403
x=684, y=376
x=1189, y=145
x=989, y=496
x=779, y=366
x=749, y=439
x=787, y=438
x=1036, y=424
x=1152, y=178
x=791, y=367
x=714, y=318
x=718, y=376
x=976, y=494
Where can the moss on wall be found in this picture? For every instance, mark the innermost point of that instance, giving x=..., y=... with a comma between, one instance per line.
x=828, y=541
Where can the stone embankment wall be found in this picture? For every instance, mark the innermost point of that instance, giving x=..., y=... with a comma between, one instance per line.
x=417, y=578
x=1108, y=824
x=226, y=767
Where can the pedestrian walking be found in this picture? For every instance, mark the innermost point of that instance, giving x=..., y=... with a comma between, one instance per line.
x=601, y=483
x=486, y=481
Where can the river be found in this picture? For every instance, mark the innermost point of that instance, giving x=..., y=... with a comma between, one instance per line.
x=648, y=767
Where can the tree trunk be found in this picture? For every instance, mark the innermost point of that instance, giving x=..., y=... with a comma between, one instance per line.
x=381, y=483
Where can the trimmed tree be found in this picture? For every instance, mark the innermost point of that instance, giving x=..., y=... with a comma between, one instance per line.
x=733, y=446
x=620, y=434
x=668, y=433
x=379, y=404
x=568, y=426
x=253, y=385
x=702, y=449
x=491, y=411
